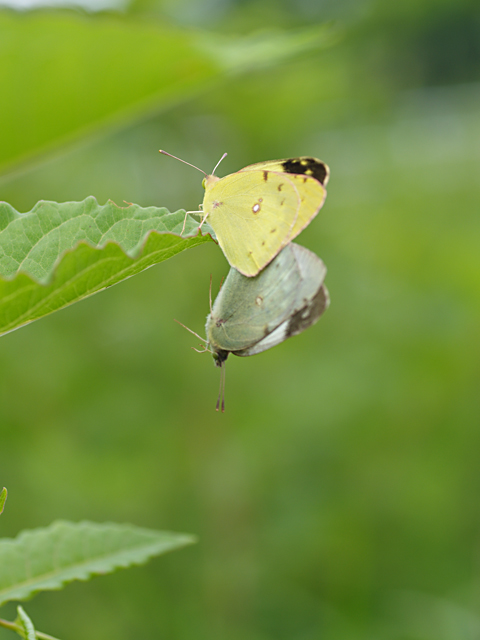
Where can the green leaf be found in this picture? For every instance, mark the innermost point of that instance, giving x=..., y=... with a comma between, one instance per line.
x=25, y=624
x=58, y=254
x=3, y=499
x=267, y=48
x=63, y=76
x=46, y=559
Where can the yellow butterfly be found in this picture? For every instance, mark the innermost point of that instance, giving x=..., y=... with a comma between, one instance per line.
x=261, y=208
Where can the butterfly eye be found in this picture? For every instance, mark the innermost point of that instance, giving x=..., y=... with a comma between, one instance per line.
x=204, y=181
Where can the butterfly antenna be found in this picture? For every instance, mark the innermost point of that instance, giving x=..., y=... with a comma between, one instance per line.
x=224, y=369
x=221, y=283
x=185, y=162
x=195, y=334
x=216, y=166
x=221, y=393
x=210, y=294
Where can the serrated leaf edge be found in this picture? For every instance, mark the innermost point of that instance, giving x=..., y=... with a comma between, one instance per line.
x=133, y=253
x=182, y=540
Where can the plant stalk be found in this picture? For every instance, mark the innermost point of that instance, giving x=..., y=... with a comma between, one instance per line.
x=15, y=627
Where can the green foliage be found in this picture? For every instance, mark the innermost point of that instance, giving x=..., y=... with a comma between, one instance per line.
x=3, y=499
x=110, y=72
x=46, y=559
x=24, y=626
x=113, y=73
x=58, y=254
x=338, y=495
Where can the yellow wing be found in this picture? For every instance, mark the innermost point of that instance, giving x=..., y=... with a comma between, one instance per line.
x=310, y=176
x=312, y=197
x=253, y=214
x=304, y=165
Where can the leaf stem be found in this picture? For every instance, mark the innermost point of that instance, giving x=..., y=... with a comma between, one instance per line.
x=15, y=627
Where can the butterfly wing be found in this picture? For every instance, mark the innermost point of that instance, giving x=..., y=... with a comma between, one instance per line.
x=312, y=197
x=247, y=309
x=304, y=165
x=298, y=322
x=311, y=300
x=310, y=177
x=253, y=214
x=251, y=315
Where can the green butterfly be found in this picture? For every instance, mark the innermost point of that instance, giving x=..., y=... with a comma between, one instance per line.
x=251, y=315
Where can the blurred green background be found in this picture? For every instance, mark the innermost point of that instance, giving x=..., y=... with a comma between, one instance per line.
x=339, y=495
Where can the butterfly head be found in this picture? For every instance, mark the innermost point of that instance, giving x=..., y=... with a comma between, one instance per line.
x=209, y=181
x=219, y=356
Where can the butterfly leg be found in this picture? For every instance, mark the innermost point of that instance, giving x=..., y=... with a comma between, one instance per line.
x=203, y=349
x=184, y=223
x=185, y=219
x=203, y=220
